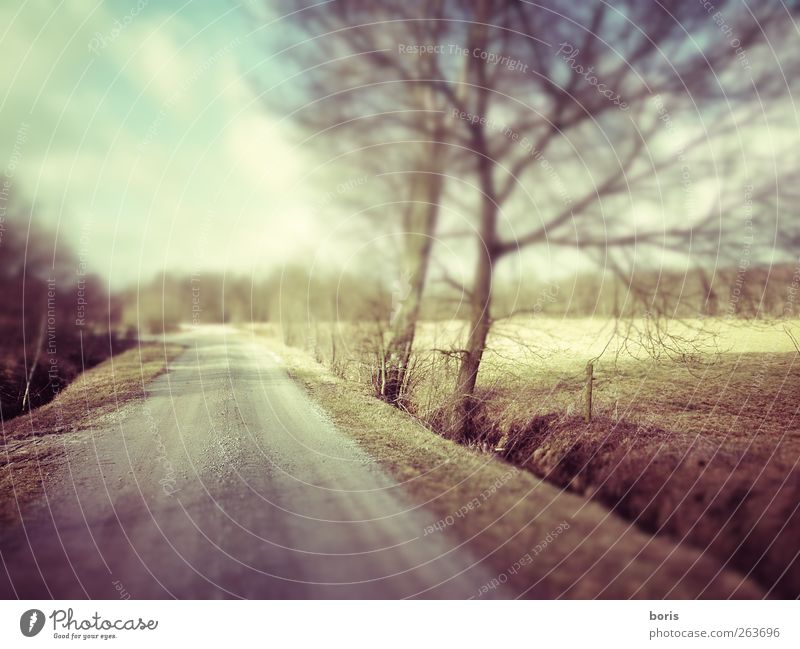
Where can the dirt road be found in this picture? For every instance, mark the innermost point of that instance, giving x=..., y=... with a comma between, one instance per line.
x=227, y=481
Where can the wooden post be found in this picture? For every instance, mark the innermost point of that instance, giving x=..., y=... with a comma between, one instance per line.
x=587, y=415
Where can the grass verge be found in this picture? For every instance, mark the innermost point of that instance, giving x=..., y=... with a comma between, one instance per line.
x=541, y=541
x=33, y=443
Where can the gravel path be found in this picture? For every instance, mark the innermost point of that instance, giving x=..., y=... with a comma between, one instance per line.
x=227, y=481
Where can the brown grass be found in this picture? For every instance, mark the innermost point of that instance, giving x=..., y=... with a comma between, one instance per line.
x=33, y=442
x=702, y=447
x=708, y=457
x=600, y=555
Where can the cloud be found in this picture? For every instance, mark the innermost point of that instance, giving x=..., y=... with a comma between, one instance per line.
x=147, y=136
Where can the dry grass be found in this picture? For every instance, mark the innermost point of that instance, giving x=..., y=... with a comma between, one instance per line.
x=738, y=504
x=707, y=454
x=700, y=442
x=599, y=556
x=32, y=443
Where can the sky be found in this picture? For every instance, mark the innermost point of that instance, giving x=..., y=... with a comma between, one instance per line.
x=133, y=128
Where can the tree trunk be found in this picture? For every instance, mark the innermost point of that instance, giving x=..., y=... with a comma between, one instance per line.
x=480, y=323
x=460, y=426
x=420, y=227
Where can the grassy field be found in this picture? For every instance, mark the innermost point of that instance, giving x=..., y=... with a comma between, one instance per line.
x=32, y=443
x=695, y=430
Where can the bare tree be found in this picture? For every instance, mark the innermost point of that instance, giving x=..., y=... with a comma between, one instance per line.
x=566, y=122
x=352, y=97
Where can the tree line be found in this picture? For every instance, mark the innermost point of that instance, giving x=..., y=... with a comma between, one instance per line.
x=57, y=319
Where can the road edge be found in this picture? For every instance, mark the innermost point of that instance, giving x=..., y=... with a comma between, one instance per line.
x=454, y=482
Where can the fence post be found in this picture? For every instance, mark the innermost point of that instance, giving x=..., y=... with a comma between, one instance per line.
x=587, y=414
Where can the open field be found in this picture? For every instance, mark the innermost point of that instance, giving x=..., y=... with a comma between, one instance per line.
x=694, y=435
x=33, y=444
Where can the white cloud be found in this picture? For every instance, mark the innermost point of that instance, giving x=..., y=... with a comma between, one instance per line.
x=212, y=152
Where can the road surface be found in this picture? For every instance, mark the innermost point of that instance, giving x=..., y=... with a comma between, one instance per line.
x=228, y=482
